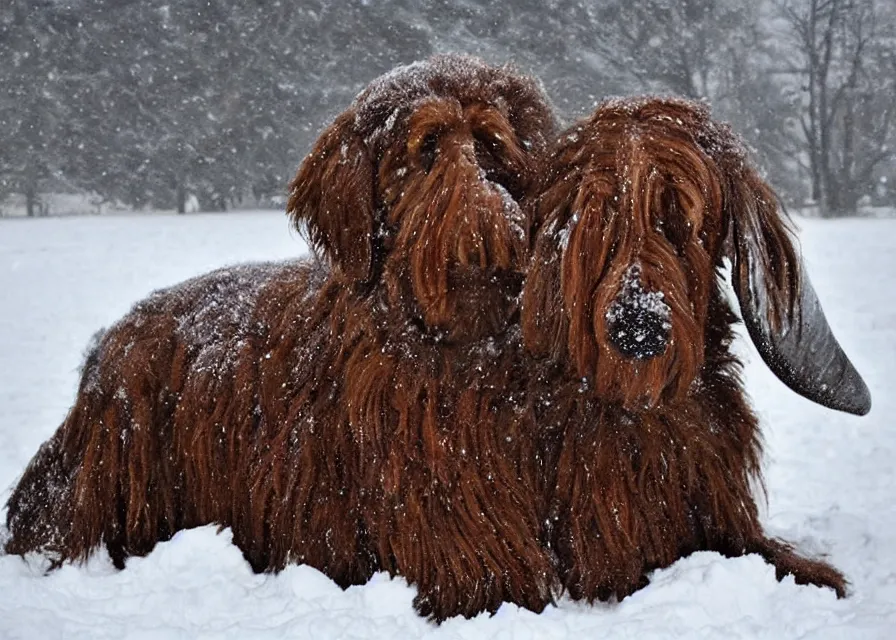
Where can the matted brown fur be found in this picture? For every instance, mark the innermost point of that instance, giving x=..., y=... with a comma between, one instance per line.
x=355, y=413
x=653, y=456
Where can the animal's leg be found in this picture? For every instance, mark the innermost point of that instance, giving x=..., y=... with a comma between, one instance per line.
x=465, y=558
x=804, y=570
x=39, y=508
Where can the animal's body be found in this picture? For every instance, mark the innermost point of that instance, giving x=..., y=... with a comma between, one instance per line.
x=652, y=444
x=357, y=412
x=388, y=405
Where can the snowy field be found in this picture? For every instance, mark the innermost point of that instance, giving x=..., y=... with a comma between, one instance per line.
x=831, y=477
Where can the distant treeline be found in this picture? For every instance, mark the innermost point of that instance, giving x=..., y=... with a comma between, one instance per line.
x=154, y=103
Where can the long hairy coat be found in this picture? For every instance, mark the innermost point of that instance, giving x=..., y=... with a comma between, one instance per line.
x=356, y=412
x=651, y=448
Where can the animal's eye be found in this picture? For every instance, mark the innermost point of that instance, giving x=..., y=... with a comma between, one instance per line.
x=491, y=156
x=671, y=221
x=674, y=230
x=428, y=150
x=488, y=151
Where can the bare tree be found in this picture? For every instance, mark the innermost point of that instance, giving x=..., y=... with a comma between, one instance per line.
x=842, y=52
x=31, y=105
x=147, y=102
x=676, y=46
x=714, y=50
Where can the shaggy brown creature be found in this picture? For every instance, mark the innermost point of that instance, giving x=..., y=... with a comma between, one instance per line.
x=358, y=413
x=653, y=447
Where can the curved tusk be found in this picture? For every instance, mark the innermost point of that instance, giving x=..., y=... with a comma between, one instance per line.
x=804, y=354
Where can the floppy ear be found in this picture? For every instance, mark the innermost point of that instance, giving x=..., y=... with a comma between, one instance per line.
x=332, y=197
x=544, y=320
x=779, y=306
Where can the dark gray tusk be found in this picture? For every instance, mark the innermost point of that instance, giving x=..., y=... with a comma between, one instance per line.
x=804, y=354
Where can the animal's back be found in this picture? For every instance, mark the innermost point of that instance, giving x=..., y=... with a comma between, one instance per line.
x=174, y=373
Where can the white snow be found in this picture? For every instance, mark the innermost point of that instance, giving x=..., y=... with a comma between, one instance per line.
x=831, y=477
x=634, y=296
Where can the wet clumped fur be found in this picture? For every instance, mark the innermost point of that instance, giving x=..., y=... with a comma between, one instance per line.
x=651, y=448
x=356, y=412
x=443, y=391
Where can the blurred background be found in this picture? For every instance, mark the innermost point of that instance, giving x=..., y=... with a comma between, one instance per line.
x=210, y=105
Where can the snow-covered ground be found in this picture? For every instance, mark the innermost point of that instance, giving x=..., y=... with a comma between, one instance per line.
x=831, y=477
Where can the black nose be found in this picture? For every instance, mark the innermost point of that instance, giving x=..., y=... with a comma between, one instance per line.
x=638, y=321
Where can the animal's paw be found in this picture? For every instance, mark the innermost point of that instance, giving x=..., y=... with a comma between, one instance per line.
x=815, y=572
x=804, y=570
x=438, y=604
x=470, y=597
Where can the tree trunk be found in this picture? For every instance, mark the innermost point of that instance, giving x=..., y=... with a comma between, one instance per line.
x=848, y=192
x=31, y=201
x=812, y=133
x=181, y=195
x=824, y=136
x=849, y=201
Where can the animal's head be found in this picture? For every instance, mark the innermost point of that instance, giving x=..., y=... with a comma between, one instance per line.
x=641, y=205
x=416, y=187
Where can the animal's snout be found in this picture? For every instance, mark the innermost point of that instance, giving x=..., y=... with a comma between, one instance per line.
x=638, y=320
